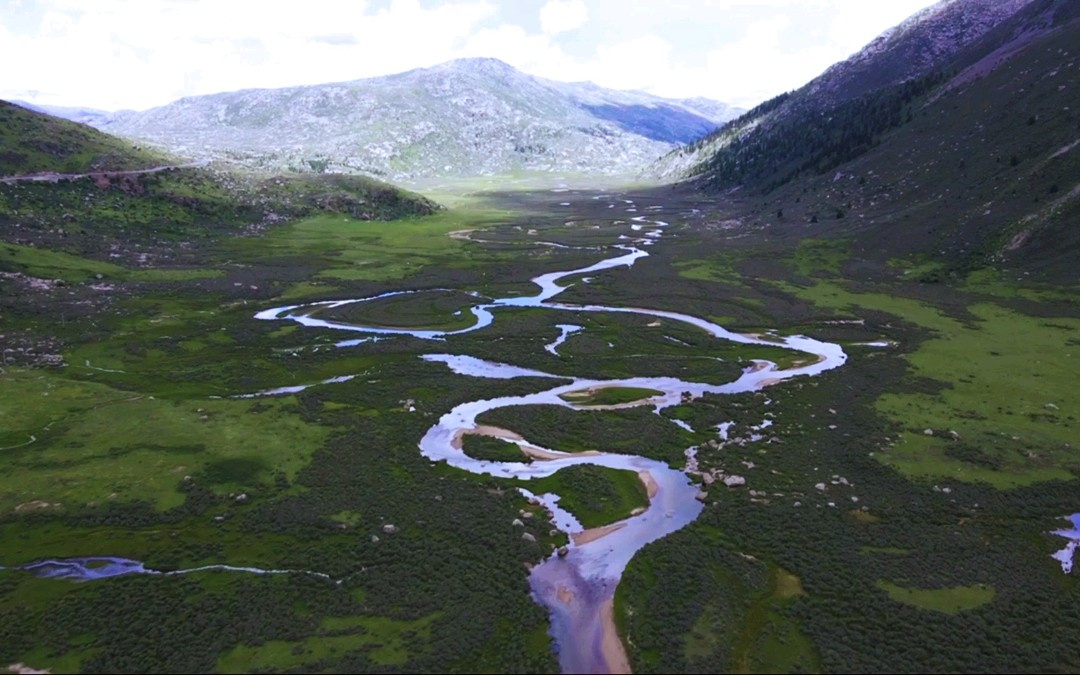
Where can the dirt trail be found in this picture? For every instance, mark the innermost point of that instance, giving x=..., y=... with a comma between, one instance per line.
x=53, y=177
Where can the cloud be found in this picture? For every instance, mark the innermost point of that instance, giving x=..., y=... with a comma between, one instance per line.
x=559, y=16
x=114, y=54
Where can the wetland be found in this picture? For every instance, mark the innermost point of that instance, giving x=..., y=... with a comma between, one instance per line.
x=540, y=445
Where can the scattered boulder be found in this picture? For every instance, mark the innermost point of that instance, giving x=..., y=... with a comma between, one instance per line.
x=734, y=481
x=819, y=486
x=241, y=498
x=563, y=551
x=701, y=496
x=928, y=432
x=374, y=539
x=528, y=537
x=517, y=522
x=389, y=528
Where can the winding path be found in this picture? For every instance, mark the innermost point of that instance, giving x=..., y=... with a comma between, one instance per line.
x=53, y=177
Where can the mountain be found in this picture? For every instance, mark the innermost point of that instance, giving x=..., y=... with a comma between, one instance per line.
x=32, y=142
x=967, y=154
x=69, y=187
x=464, y=117
x=91, y=116
x=924, y=44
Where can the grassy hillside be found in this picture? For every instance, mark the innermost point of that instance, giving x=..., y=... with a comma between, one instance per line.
x=32, y=142
x=149, y=219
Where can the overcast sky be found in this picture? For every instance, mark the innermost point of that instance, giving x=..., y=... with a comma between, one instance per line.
x=115, y=54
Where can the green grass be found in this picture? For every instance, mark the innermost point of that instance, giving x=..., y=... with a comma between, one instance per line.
x=1006, y=388
x=33, y=142
x=820, y=257
x=1011, y=401
x=354, y=250
x=596, y=495
x=919, y=268
x=308, y=289
x=770, y=640
x=433, y=310
x=94, y=441
x=609, y=396
x=952, y=600
x=383, y=640
x=492, y=449
x=885, y=550
x=39, y=262
x=53, y=264
x=720, y=268
x=991, y=281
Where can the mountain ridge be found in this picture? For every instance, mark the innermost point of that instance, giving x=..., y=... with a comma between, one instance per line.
x=971, y=164
x=476, y=116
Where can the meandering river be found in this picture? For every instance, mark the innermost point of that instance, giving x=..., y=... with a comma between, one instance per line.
x=577, y=587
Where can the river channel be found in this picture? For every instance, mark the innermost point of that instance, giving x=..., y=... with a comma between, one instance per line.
x=577, y=585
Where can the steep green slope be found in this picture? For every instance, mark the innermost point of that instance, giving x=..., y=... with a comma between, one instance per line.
x=32, y=142
x=973, y=163
x=123, y=215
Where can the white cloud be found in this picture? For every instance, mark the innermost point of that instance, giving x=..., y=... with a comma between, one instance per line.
x=114, y=54
x=559, y=16
x=138, y=53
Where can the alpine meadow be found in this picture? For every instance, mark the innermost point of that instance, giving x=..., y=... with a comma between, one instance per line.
x=465, y=369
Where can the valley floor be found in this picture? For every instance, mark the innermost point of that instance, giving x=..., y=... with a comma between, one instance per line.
x=896, y=513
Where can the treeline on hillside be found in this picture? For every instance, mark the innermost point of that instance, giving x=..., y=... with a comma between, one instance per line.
x=770, y=156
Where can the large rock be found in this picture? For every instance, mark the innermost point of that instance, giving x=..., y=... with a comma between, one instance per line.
x=734, y=481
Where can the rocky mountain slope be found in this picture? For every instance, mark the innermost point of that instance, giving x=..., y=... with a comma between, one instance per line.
x=970, y=157
x=464, y=117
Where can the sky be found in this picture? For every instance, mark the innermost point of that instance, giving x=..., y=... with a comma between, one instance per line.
x=137, y=54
